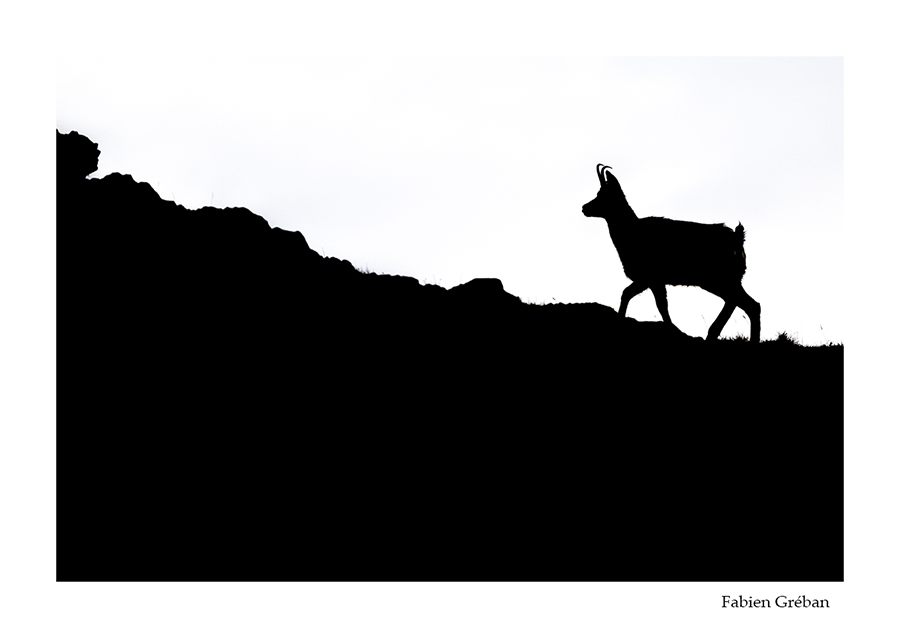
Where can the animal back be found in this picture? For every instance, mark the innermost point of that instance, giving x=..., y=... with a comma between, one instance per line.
x=673, y=252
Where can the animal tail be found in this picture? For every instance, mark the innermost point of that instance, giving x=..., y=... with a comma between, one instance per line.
x=740, y=255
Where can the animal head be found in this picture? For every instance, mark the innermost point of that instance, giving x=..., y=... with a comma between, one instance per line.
x=609, y=200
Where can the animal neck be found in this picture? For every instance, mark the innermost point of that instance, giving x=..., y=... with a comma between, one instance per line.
x=623, y=219
x=621, y=225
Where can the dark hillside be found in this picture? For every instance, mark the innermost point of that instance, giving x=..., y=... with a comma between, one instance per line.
x=234, y=406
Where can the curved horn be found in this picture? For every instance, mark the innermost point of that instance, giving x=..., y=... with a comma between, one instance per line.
x=600, y=172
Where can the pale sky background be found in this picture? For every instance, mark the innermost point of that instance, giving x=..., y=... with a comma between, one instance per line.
x=446, y=169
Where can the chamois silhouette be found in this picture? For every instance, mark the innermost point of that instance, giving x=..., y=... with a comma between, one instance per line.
x=656, y=252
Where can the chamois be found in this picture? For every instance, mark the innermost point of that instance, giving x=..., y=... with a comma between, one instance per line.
x=656, y=252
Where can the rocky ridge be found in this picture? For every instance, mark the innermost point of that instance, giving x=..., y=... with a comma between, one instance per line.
x=233, y=405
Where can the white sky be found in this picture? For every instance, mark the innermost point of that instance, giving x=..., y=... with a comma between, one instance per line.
x=450, y=168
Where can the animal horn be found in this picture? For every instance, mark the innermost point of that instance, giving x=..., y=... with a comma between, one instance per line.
x=600, y=172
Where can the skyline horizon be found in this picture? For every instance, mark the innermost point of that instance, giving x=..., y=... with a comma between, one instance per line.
x=364, y=268
x=446, y=170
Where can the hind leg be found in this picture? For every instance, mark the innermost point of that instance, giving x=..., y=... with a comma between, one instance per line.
x=736, y=297
x=716, y=328
x=749, y=305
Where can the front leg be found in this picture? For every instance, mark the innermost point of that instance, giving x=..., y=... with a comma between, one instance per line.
x=662, y=304
x=629, y=293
